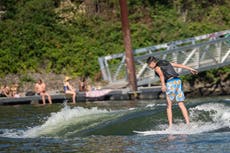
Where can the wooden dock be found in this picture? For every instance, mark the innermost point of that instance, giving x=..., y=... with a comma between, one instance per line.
x=118, y=94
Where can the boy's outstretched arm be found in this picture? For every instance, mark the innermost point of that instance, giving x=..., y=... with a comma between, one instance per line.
x=193, y=71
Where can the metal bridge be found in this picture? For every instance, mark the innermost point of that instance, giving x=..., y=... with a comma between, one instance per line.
x=202, y=53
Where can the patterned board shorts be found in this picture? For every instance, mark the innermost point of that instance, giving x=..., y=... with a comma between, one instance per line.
x=175, y=89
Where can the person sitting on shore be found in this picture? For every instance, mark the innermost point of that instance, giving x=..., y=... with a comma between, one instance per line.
x=14, y=90
x=5, y=91
x=40, y=89
x=83, y=84
x=68, y=89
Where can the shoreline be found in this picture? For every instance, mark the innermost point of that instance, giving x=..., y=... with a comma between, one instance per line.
x=197, y=87
x=151, y=93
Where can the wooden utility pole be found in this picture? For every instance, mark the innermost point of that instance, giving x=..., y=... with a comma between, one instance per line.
x=128, y=46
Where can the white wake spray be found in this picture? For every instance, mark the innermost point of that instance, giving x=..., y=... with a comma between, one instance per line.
x=218, y=117
x=60, y=120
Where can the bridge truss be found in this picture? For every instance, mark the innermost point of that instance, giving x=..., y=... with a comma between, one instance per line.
x=202, y=53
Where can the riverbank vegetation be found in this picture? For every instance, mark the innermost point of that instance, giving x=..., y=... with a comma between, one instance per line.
x=67, y=36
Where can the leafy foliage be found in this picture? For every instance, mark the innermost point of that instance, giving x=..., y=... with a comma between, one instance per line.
x=63, y=36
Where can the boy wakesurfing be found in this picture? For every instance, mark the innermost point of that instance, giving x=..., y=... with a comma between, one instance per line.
x=171, y=84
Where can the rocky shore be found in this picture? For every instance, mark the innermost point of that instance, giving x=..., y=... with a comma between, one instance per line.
x=54, y=82
x=196, y=87
x=208, y=86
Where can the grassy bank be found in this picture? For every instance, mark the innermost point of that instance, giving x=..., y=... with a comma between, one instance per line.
x=66, y=37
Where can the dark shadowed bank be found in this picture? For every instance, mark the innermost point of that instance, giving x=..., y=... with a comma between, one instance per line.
x=209, y=83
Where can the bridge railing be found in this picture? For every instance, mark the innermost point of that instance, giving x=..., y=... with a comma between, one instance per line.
x=202, y=52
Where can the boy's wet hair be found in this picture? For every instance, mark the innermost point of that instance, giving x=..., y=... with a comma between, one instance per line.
x=151, y=59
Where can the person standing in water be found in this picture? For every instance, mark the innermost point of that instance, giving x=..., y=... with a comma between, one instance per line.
x=171, y=84
x=40, y=89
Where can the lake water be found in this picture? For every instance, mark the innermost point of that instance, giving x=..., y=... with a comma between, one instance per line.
x=105, y=127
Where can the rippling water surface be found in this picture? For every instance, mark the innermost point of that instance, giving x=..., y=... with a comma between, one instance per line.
x=116, y=126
